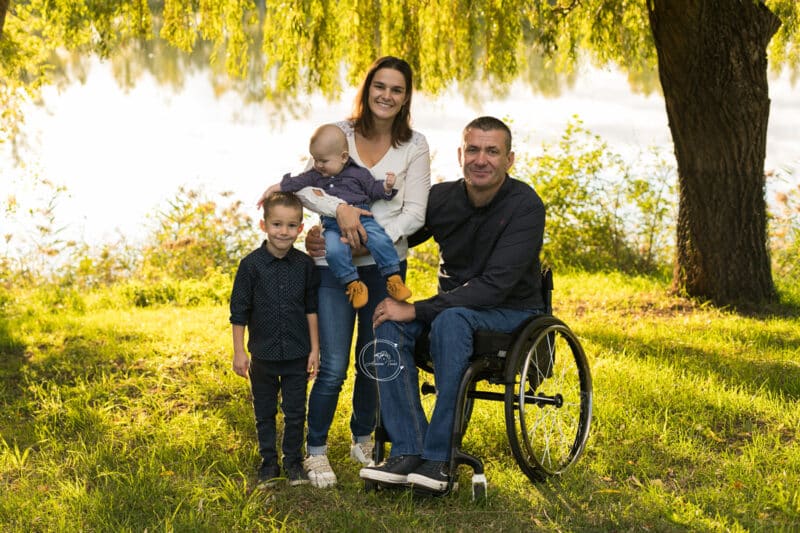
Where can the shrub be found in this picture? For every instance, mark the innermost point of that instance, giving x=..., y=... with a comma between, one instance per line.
x=601, y=216
x=213, y=289
x=195, y=236
x=784, y=225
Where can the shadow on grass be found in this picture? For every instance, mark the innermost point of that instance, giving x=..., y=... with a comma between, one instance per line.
x=12, y=351
x=742, y=369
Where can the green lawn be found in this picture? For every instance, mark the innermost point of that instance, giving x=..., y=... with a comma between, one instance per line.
x=117, y=418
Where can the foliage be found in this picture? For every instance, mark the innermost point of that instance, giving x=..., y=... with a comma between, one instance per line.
x=33, y=243
x=192, y=238
x=130, y=419
x=301, y=42
x=195, y=236
x=785, y=229
x=423, y=267
x=600, y=216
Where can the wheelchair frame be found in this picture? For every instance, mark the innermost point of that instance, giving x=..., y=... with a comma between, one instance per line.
x=547, y=399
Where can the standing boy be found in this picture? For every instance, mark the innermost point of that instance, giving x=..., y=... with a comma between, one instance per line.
x=275, y=297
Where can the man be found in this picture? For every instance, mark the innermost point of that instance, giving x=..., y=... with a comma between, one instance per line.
x=489, y=228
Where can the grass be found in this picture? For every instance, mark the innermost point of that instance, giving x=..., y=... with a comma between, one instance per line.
x=118, y=418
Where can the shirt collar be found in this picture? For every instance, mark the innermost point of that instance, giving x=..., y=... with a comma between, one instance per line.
x=501, y=192
x=268, y=255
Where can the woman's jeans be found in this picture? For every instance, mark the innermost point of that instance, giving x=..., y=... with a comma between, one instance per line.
x=451, y=349
x=336, y=322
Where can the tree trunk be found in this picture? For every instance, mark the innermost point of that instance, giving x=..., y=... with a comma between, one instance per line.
x=3, y=10
x=712, y=64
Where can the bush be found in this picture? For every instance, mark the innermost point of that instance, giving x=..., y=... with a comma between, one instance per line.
x=601, y=216
x=784, y=226
x=214, y=289
x=196, y=236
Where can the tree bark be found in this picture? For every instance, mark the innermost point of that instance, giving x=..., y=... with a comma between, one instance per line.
x=712, y=64
x=3, y=10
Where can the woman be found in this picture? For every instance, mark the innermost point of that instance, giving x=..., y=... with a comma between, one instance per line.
x=380, y=139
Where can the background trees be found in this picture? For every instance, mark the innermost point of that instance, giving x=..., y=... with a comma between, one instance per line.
x=711, y=56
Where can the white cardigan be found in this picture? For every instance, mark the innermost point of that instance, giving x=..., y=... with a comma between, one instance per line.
x=402, y=215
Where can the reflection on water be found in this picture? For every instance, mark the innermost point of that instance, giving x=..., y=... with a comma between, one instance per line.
x=122, y=135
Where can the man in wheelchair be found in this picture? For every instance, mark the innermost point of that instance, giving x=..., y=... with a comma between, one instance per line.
x=489, y=228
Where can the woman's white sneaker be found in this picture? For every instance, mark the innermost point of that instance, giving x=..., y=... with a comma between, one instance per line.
x=361, y=452
x=319, y=470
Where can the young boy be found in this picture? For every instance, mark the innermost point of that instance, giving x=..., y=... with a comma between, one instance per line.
x=275, y=297
x=338, y=175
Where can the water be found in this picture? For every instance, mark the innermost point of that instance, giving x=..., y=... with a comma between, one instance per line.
x=122, y=153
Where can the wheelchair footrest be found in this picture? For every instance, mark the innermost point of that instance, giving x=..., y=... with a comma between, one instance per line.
x=479, y=486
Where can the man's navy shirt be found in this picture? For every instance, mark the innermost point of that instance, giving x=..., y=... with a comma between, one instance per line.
x=271, y=296
x=489, y=256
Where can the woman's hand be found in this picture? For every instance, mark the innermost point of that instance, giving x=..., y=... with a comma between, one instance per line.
x=265, y=194
x=315, y=243
x=348, y=218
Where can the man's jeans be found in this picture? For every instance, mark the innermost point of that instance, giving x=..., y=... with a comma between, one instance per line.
x=336, y=320
x=451, y=348
x=340, y=260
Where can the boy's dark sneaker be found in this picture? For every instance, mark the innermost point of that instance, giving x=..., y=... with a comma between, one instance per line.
x=296, y=474
x=430, y=475
x=268, y=475
x=393, y=471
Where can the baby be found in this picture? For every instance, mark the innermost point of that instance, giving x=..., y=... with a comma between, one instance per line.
x=338, y=175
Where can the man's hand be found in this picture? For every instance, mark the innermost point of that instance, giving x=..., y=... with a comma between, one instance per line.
x=315, y=243
x=391, y=309
x=348, y=218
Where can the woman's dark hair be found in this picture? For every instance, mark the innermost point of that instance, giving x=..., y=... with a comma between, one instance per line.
x=362, y=115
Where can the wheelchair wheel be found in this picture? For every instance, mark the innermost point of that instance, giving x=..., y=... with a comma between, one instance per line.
x=548, y=398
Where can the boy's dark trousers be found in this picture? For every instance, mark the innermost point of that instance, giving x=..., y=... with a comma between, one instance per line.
x=267, y=379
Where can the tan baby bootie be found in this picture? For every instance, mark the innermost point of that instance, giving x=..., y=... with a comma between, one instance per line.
x=357, y=294
x=397, y=289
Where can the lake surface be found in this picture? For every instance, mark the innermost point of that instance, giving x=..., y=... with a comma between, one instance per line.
x=122, y=153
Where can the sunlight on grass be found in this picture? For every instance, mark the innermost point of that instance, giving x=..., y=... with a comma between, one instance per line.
x=119, y=418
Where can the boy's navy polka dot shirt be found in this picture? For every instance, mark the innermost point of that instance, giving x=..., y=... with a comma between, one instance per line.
x=271, y=296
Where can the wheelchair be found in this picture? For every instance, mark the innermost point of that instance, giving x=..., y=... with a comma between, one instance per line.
x=541, y=374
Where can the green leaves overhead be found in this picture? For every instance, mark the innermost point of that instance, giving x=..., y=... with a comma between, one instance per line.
x=296, y=46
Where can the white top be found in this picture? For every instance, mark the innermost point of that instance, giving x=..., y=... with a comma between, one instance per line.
x=402, y=215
